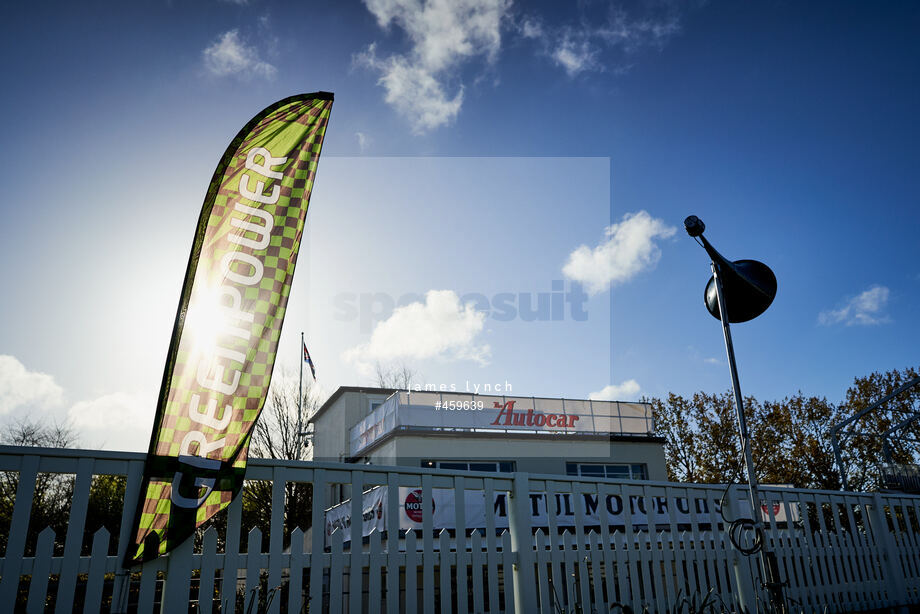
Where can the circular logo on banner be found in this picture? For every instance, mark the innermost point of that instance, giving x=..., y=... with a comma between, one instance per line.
x=413, y=505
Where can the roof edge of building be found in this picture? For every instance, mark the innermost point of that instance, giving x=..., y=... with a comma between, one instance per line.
x=342, y=390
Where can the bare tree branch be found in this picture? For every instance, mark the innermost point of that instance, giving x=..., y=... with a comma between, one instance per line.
x=398, y=375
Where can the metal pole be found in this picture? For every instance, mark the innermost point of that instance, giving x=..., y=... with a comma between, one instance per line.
x=769, y=566
x=838, y=460
x=300, y=399
x=837, y=428
x=522, y=568
x=886, y=436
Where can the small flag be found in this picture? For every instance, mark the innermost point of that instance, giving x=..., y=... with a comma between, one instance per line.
x=306, y=359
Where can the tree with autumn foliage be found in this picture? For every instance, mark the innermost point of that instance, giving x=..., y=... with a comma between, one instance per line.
x=790, y=438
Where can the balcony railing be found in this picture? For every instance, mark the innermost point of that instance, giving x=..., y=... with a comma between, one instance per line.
x=448, y=411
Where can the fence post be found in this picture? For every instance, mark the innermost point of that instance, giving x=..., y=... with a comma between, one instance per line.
x=178, y=577
x=894, y=575
x=522, y=546
x=745, y=592
x=16, y=546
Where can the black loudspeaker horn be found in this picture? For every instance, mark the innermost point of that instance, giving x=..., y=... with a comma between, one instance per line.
x=749, y=286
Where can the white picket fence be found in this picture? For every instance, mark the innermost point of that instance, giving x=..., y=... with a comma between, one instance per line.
x=846, y=551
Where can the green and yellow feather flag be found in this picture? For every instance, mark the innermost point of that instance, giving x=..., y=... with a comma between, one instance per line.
x=230, y=313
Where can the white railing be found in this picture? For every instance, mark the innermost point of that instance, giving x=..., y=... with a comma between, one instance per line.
x=837, y=551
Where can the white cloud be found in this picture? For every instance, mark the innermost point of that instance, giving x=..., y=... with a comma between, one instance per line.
x=531, y=28
x=117, y=421
x=625, y=391
x=24, y=390
x=865, y=309
x=575, y=57
x=444, y=31
x=630, y=248
x=443, y=34
x=602, y=43
x=230, y=55
x=414, y=91
x=364, y=141
x=632, y=34
x=441, y=327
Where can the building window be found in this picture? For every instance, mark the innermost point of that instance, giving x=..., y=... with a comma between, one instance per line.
x=490, y=466
x=373, y=404
x=599, y=470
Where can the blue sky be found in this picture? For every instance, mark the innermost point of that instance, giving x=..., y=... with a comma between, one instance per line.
x=471, y=152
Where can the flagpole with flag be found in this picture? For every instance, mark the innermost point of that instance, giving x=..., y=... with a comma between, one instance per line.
x=304, y=359
x=300, y=399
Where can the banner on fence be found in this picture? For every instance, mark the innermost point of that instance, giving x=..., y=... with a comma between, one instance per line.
x=640, y=510
x=222, y=351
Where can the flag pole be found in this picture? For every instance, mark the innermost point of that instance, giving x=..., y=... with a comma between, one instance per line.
x=300, y=398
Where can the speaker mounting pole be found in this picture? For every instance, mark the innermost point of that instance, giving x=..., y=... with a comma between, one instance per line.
x=752, y=286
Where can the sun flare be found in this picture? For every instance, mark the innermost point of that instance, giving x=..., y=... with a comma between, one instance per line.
x=206, y=320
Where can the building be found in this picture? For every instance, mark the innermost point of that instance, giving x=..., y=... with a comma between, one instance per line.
x=478, y=432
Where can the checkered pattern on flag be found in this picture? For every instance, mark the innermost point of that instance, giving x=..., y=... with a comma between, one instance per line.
x=226, y=332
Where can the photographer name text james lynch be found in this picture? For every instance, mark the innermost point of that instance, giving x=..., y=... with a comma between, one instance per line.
x=470, y=387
